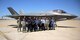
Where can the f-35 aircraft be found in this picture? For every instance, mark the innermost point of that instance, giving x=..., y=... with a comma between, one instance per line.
x=56, y=14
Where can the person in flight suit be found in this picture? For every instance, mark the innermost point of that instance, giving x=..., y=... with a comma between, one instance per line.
x=24, y=24
x=19, y=24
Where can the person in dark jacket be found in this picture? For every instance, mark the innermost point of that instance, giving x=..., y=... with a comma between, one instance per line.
x=52, y=24
x=34, y=24
x=29, y=25
x=40, y=25
x=36, y=21
x=43, y=27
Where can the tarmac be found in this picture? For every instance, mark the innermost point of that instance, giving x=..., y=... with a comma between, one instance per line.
x=66, y=30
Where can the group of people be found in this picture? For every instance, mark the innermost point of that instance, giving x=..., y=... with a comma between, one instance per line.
x=35, y=24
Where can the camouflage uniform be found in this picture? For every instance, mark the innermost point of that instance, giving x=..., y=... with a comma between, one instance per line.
x=19, y=25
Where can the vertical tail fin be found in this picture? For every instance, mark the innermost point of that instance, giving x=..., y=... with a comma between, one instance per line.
x=12, y=11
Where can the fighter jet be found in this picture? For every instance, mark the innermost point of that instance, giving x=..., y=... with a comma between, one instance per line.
x=56, y=14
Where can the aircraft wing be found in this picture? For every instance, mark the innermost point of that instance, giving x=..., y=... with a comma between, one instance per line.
x=56, y=17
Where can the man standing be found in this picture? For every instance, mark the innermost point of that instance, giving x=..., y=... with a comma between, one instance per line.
x=29, y=25
x=51, y=24
x=19, y=24
x=43, y=24
x=24, y=24
x=36, y=21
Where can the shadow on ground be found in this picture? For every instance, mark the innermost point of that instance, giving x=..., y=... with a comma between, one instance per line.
x=14, y=26
x=66, y=27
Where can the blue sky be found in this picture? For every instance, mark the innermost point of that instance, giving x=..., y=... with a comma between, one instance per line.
x=70, y=6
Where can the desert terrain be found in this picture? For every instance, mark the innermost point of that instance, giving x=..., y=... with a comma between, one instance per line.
x=65, y=30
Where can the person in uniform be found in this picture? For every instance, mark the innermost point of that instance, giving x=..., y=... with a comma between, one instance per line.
x=19, y=24
x=24, y=24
